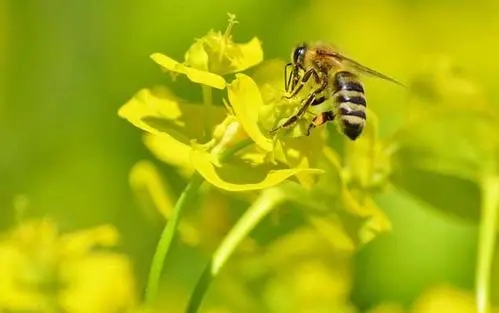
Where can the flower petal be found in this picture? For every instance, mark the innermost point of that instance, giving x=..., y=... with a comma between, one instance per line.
x=155, y=196
x=81, y=242
x=269, y=77
x=246, y=100
x=170, y=151
x=372, y=219
x=98, y=283
x=366, y=161
x=331, y=228
x=197, y=57
x=446, y=298
x=195, y=75
x=158, y=111
x=249, y=54
x=150, y=189
x=241, y=178
x=304, y=152
x=226, y=56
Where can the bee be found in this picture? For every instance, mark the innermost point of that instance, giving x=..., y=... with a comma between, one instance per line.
x=337, y=78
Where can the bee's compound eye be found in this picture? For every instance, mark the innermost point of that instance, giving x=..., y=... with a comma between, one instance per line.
x=299, y=54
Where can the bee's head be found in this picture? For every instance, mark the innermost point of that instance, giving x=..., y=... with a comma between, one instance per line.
x=297, y=64
x=298, y=55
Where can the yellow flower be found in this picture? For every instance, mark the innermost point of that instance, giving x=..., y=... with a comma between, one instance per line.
x=254, y=104
x=436, y=299
x=218, y=53
x=45, y=271
x=213, y=55
x=444, y=299
x=176, y=135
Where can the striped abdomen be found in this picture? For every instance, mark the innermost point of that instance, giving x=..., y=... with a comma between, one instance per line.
x=349, y=97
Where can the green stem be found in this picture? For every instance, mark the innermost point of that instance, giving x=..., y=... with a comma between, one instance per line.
x=169, y=231
x=168, y=235
x=229, y=152
x=267, y=201
x=208, y=102
x=487, y=237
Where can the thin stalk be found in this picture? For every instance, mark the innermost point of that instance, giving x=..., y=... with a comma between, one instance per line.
x=486, y=242
x=267, y=201
x=168, y=235
x=208, y=102
x=169, y=231
x=229, y=152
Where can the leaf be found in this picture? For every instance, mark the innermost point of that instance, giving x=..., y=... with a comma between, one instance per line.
x=453, y=195
x=451, y=141
x=195, y=75
x=440, y=81
x=442, y=157
x=158, y=111
x=245, y=99
x=233, y=178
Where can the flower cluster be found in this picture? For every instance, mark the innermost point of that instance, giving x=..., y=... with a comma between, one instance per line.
x=45, y=271
x=177, y=130
x=225, y=140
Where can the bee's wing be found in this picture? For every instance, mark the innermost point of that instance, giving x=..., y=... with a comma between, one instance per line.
x=363, y=69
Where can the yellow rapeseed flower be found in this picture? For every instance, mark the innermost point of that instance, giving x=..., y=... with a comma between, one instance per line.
x=195, y=137
x=176, y=130
x=45, y=271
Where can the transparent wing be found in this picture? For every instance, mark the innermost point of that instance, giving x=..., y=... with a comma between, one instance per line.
x=363, y=69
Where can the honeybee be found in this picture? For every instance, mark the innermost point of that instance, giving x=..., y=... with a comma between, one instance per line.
x=336, y=77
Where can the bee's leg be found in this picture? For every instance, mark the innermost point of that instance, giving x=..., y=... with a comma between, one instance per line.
x=292, y=119
x=320, y=119
x=310, y=100
x=318, y=101
x=294, y=78
x=287, y=80
x=308, y=74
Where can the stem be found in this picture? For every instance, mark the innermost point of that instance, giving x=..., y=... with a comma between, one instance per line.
x=267, y=201
x=208, y=102
x=486, y=242
x=227, y=154
x=168, y=235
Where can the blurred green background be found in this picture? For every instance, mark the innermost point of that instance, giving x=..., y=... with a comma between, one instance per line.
x=67, y=66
